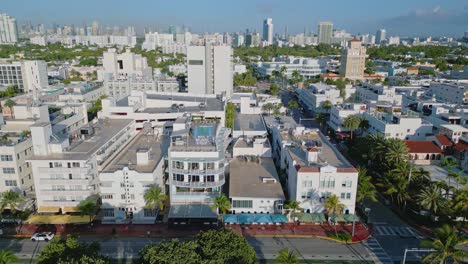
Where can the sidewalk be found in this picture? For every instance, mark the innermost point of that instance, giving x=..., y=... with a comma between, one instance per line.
x=165, y=231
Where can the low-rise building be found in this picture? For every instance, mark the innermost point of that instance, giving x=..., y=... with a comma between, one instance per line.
x=313, y=97
x=424, y=152
x=338, y=113
x=125, y=179
x=66, y=171
x=308, y=68
x=453, y=132
x=402, y=126
x=254, y=186
x=371, y=94
x=456, y=93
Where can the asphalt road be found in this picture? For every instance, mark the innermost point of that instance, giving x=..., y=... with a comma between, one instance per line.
x=266, y=248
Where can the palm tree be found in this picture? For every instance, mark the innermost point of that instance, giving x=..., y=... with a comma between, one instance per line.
x=222, y=203
x=445, y=245
x=449, y=164
x=268, y=107
x=366, y=190
x=293, y=207
x=334, y=207
x=88, y=207
x=282, y=70
x=11, y=200
x=321, y=118
x=286, y=256
x=293, y=104
x=7, y=257
x=457, y=175
x=363, y=124
x=459, y=203
x=351, y=123
x=326, y=105
x=154, y=198
x=397, y=151
x=9, y=103
x=296, y=76
x=431, y=198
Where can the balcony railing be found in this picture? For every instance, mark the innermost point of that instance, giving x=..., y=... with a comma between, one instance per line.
x=66, y=192
x=80, y=170
x=183, y=171
x=196, y=194
x=220, y=182
x=80, y=181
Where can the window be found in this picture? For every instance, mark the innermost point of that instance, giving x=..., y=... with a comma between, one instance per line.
x=303, y=195
x=107, y=212
x=178, y=165
x=107, y=196
x=194, y=166
x=70, y=176
x=149, y=212
x=11, y=183
x=178, y=177
x=122, y=196
x=57, y=164
x=209, y=166
x=329, y=183
x=348, y=196
x=194, y=178
x=132, y=196
x=75, y=164
x=8, y=170
x=122, y=184
x=309, y=183
x=210, y=178
x=51, y=165
x=6, y=157
x=347, y=183
x=195, y=62
x=342, y=195
x=242, y=204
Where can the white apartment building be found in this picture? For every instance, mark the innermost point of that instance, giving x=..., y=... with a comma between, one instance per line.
x=15, y=171
x=8, y=29
x=338, y=113
x=308, y=68
x=313, y=97
x=120, y=88
x=196, y=167
x=125, y=65
x=254, y=186
x=82, y=92
x=155, y=39
x=325, y=32
x=209, y=69
x=66, y=171
x=38, y=40
x=453, y=132
x=402, y=126
x=125, y=179
x=162, y=109
x=27, y=76
x=315, y=169
x=453, y=93
x=371, y=94
x=101, y=40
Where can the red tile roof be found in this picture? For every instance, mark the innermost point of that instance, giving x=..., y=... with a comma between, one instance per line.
x=461, y=146
x=422, y=146
x=443, y=140
x=308, y=169
x=346, y=169
x=313, y=149
x=355, y=40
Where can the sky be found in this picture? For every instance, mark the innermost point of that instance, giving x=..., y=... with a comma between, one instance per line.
x=399, y=17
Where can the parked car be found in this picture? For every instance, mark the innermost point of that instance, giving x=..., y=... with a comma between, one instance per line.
x=46, y=236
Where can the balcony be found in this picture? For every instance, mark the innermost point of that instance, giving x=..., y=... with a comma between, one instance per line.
x=73, y=170
x=84, y=192
x=220, y=182
x=207, y=172
x=81, y=181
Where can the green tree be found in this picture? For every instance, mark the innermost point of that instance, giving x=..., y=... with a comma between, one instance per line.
x=321, y=118
x=334, y=207
x=397, y=151
x=293, y=104
x=225, y=246
x=69, y=250
x=366, y=190
x=88, y=207
x=283, y=70
x=222, y=204
x=268, y=107
x=230, y=115
x=351, y=123
x=286, y=256
x=446, y=244
x=274, y=90
x=296, y=77
x=7, y=257
x=449, y=164
x=431, y=198
x=459, y=203
x=293, y=207
x=11, y=200
x=154, y=197
x=326, y=105
x=168, y=252
x=9, y=103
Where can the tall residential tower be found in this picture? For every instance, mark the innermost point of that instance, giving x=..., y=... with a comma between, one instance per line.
x=353, y=60
x=380, y=36
x=325, y=31
x=268, y=30
x=8, y=29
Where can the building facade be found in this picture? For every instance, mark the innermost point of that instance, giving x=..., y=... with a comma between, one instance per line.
x=8, y=30
x=325, y=32
x=353, y=60
x=268, y=31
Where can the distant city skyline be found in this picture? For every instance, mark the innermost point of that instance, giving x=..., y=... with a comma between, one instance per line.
x=403, y=18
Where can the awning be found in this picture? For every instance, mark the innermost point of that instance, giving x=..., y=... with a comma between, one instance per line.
x=311, y=218
x=279, y=218
x=48, y=209
x=263, y=219
x=58, y=219
x=338, y=218
x=351, y=218
x=192, y=211
x=245, y=218
x=230, y=219
x=70, y=209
